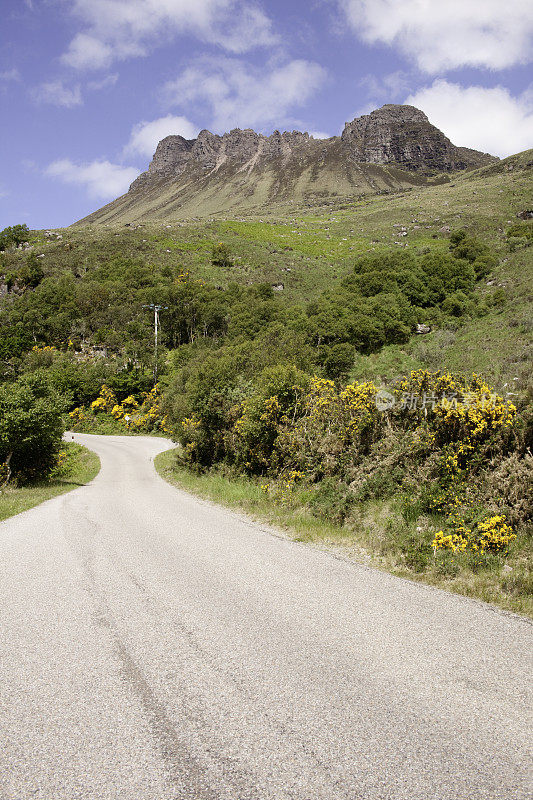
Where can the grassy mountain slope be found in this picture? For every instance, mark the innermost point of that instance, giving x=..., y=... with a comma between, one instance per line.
x=231, y=190
x=306, y=246
x=315, y=241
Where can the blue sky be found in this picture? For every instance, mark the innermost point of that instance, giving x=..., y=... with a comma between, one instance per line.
x=88, y=87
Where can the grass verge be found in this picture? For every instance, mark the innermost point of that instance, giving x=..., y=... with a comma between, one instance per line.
x=507, y=584
x=80, y=466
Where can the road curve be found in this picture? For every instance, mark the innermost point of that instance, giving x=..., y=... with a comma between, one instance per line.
x=157, y=647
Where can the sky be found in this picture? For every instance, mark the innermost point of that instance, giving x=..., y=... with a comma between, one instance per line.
x=88, y=87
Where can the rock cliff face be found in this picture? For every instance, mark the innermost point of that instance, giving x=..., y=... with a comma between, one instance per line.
x=209, y=151
x=397, y=135
x=403, y=135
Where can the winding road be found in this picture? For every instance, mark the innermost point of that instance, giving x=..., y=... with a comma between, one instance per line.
x=157, y=647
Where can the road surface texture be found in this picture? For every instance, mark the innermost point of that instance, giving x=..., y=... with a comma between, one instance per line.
x=156, y=647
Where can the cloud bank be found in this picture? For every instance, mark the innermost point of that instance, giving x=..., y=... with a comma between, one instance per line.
x=55, y=93
x=441, y=36
x=146, y=135
x=102, y=179
x=237, y=94
x=121, y=29
x=485, y=119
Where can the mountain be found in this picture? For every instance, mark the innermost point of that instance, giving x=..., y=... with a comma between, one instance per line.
x=394, y=147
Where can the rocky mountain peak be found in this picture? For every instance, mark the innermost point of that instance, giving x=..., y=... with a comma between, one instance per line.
x=401, y=135
x=391, y=113
x=396, y=135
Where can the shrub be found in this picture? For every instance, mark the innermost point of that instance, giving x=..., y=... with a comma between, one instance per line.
x=31, y=429
x=332, y=428
x=331, y=500
x=510, y=482
x=522, y=231
x=31, y=273
x=220, y=256
x=470, y=249
x=141, y=415
x=492, y=535
x=13, y=236
x=264, y=415
x=337, y=361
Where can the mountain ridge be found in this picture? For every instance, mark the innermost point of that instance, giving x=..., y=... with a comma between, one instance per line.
x=393, y=147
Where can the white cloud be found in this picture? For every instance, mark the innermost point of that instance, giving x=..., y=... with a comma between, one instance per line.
x=57, y=94
x=241, y=27
x=89, y=52
x=240, y=95
x=101, y=179
x=104, y=83
x=319, y=135
x=145, y=136
x=121, y=29
x=446, y=35
x=491, y=120
x=10, y=76
x=387, y=87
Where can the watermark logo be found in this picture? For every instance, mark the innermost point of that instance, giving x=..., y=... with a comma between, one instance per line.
x=428, y=401
x=385, y=400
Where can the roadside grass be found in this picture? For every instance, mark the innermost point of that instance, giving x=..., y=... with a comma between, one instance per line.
x=243, y=494
x=80, y=466
x=376, y=535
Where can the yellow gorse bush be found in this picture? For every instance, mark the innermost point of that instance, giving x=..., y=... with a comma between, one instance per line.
x=138, y=415
x=461, y=416
x=79, y=414
x=282, y=490
x=317, y=430
x=492, y=535
x=331, y=427
x=46, y=349
x=345, y=410
x=105, y=402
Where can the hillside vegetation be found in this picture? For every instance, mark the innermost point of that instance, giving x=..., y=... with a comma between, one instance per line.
x=280, y=334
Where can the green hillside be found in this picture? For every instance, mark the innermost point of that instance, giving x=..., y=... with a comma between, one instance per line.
x=306, y=248
x=278, y=333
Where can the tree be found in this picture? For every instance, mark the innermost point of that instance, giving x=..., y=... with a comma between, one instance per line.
x=337, y=361
x=31, y=428
x=31, y=273
x=13, y=236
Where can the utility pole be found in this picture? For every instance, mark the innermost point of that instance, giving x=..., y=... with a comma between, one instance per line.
x=156, y=309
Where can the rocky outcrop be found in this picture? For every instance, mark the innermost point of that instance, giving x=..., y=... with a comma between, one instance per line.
x=170, y=159
x=174, y=154
x=404, y=136
x=401, y=136
x=392, y=149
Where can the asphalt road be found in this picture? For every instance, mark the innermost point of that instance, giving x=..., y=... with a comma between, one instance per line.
x=155, y=647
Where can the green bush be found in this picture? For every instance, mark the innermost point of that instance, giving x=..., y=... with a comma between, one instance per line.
x=13, y=236
x=331, y=500
x=31, y=273
x=522, y=230
x=220, y=256
x=337, y=361
x=31, y=428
